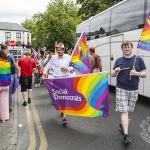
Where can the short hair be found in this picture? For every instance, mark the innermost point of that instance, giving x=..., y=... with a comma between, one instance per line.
x=3, y=46
x=92, y=49
x=126, y=43
x=28, y=54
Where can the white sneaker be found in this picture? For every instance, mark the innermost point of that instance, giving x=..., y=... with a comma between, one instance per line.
x=3, y=121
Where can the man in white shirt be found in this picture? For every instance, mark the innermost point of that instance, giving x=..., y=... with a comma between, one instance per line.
x=60, y=63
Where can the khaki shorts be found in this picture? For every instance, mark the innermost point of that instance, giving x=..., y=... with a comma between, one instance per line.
x=126, y=100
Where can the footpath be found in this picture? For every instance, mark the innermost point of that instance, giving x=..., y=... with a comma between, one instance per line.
x=9, y=129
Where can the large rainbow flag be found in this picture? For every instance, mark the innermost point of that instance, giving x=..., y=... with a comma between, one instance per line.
x=85, y=95
x=5, y=72
x=144, y=42
x=80, y=59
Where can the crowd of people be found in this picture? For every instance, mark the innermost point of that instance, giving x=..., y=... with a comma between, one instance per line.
x=57, y=65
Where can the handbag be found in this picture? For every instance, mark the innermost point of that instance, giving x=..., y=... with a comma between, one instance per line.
x=40, y=70
x=24, y=79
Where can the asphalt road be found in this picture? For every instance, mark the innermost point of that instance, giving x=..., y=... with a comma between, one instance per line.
x=40, y=127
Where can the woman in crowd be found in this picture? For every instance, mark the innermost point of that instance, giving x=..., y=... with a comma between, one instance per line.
x=5, y=79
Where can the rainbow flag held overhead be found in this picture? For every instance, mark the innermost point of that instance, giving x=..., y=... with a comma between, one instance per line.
x=85, y=95
x=80, y=59
x=5, y=73
x=144, y=42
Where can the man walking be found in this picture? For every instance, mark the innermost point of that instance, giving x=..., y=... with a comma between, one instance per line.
x=60, y=64
x=127, y=84
x=27, y=65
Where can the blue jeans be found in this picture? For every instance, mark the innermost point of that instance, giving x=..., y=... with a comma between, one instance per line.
x=10, y=91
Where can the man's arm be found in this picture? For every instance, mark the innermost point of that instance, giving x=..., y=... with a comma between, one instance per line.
x=16, y=66
x=66, y=68
x=141, y=74
x=92, y=61
x=100, y=63
x=115, y=72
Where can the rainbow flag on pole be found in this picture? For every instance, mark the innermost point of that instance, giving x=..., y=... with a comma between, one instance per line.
x=35, y=55
x=5, y=73
x=144, y=42
x=80, y=59
x=85, y=95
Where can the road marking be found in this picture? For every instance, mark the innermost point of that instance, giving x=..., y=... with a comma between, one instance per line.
x=43, y=144
x=32, y=145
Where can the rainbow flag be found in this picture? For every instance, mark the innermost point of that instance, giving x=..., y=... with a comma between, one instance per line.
x=5, y=73
x=80, y=59
x=35, y=55
x=85, y=95
x=144, y=42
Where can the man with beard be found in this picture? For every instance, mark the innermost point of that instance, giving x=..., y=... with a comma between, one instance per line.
x=60, y=65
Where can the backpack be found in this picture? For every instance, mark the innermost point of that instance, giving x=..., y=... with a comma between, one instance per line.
x=13, y=70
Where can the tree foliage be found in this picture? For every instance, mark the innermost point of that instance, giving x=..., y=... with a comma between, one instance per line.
x=57, y=23
x=90, y=8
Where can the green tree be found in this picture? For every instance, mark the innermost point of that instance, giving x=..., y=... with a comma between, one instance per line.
x=90, y=8
x=34, y=25
x=57, y=23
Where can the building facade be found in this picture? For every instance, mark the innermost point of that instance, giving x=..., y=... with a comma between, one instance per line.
x=14, y=32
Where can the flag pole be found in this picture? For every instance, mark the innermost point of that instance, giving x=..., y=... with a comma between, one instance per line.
x=77, y=43
x=109, y=72
x=134, y=61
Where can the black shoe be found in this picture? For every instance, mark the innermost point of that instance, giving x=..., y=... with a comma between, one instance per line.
x=121, y=129
x=61, y=115
x=64, y=121
x=29, y=100
x=127, y=139
x=24, y=103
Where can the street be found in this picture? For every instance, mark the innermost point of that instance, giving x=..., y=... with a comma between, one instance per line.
x=40, y=126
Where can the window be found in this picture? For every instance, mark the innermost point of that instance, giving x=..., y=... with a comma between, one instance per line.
x=7, y=36
x=19, y=52
x=99, y=26
x=18, y=37
x=127, y=16
x=84, y=26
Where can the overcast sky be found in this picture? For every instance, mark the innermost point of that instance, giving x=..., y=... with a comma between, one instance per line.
x=18, y=10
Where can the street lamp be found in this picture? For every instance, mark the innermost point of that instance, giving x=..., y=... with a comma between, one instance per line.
x=12, y=44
